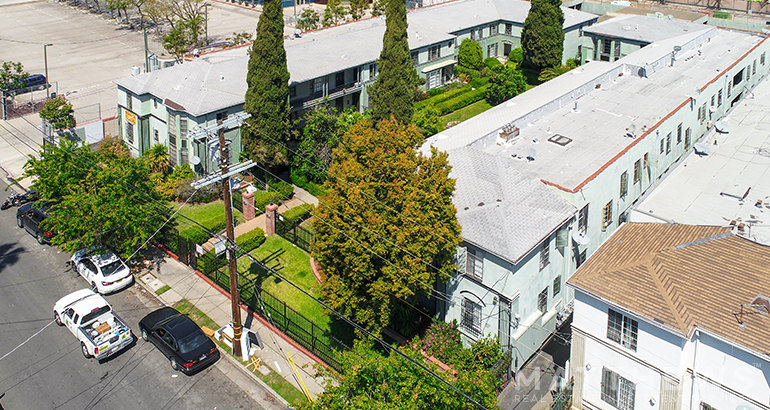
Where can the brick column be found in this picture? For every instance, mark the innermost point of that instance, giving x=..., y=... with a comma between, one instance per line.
x=270, y=215
x=248, y=205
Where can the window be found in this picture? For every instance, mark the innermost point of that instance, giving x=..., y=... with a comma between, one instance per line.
x=668, y=143
x=719, y=98
x=479, y=33
x=130, y=132
x=508, y=28
x=617, y=50
x=318, y=84
x=713, y=97
x=638, y=170
x=661, y=145
x=580, y=32
x=556, y=286
x=580, y=258
x=703, y=109
x=493, y=28
x=221, y=116
x=473, y=34
x=748, y=73
x=737, y=79
x=606, y=216
x=687, y=138
x=129, y=102
x=339, y=79
x=155, y=102
x=372, y=71
x=762, y=59
x=183, y=127
x=492, y=50
x=646, y=160
x=583, y=219
x=415, y=57
x=622, y=329
x=172, y=129
x=617, y=391
x=729, y=89
x=623, y=184
x=542, y=300
x=474, y=264
x=434, y=52
x=155, y=135
x=544, y=250
x=754, y=67
x=471, y=316
x=679, y=133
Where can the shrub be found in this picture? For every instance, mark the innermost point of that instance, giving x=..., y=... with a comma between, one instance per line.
x=516, y=55
x=573, y=63
x=251, y=240
x=209, y=262
x=478, y=82
x=428, y=120
x=504, y=84
x=283, y=188
x=442, y=341
x=298, y=213
x=492, y=62
x=436, y=91
x=466, y=74
x=462, y=100
x=309, y=186
x=195, y=233
x=470, y=55
x=442, y=97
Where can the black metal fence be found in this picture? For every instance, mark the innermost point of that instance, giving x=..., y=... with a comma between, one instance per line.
x=563, y=400
x=294, y=233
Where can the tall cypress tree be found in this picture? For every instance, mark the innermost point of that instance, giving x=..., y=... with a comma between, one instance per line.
x=393, y=92
x=542, y=37
x=267, y=98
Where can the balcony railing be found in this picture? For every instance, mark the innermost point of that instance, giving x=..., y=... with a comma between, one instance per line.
x=318, y=97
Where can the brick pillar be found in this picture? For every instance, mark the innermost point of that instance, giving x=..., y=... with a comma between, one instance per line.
x=248, y=205
x=270, y=215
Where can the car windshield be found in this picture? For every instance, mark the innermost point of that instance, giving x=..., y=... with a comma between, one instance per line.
x=193, y=341
x=95, y=313
x=110, y=268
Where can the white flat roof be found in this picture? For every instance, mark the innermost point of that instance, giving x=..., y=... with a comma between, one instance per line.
x=704, y=190
x=598, y=127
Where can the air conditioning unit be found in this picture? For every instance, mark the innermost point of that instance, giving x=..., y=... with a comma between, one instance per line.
x=709, y=124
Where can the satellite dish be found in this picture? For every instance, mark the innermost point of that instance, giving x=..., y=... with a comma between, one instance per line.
x=631, y=128
x=677, y=48
x=580, y=238
x=531, y=154
x=195, y=160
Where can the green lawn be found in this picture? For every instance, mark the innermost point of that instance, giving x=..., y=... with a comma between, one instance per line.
x=203, y=212
x=195, y=314
x=465, y=113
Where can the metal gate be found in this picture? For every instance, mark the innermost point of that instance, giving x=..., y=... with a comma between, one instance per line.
x=187, y=252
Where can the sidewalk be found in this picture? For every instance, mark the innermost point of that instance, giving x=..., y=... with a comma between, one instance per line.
x=215, y=303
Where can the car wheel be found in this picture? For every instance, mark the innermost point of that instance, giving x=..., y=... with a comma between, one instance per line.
x=94, y=288
x=58, y=319
x=85, y=351
x=174, y=365
x=145, y=337
x=19, y=223
x=39, y=238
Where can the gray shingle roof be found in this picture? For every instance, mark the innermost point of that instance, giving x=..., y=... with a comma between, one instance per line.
x=499, y=208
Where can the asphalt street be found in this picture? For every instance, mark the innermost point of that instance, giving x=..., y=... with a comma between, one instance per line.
x=48, y=371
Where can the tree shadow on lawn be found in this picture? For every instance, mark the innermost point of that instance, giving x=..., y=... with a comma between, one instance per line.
x=259, y=274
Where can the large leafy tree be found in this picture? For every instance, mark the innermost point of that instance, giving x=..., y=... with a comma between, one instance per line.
x=334, y=13
x=371, y=380
x=542, y=37
x=10, y=75
x=104, y=197
x=267, y=98
x=58, y=113
x=393, y=92
x=470, y=55
x=323, y=130
x=386, y=228
x=358, y=8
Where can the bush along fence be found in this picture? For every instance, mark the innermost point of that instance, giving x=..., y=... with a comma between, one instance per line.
x=302, y=330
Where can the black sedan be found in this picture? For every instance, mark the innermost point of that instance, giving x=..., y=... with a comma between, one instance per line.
x=31, y=215
x=179, y=339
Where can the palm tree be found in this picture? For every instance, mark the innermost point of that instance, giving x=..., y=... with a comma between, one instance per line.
x=157, y=158
x=552, y=72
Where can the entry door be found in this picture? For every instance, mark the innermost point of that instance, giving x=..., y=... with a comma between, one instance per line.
x=504, y=323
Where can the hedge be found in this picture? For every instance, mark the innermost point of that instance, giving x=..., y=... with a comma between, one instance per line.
x=463, y=100
x=251, y=240
x=722, y=15
x=492, y=62
x=442, y=97
x=298, y=213
x=209, y=261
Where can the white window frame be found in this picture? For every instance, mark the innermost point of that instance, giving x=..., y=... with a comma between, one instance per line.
x=471, y=317
x=617, y=391
x=622, y=330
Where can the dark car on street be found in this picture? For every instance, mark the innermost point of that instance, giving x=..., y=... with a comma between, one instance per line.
x=30, y=216
x=179, y=339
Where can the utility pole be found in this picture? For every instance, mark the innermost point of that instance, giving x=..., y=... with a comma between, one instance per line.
x=45, y=57
x=146, y=56
x=224, y=177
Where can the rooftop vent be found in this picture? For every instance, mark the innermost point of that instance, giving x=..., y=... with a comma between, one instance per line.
x=560, y=140
x=509, y=132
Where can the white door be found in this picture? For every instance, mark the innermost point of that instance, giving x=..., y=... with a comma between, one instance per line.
x=434, y=79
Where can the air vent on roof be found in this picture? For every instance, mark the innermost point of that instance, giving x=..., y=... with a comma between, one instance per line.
x=509, y=132
x=559, y=139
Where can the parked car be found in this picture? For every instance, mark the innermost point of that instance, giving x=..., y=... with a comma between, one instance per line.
x=179, y=339
x=103, y=269
x=30, y=216
x=90, y=318
x=31, y=82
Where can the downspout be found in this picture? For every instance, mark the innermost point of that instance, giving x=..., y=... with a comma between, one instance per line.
x=695, y=354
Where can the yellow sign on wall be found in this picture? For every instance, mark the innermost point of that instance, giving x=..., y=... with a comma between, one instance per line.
x=131, y=118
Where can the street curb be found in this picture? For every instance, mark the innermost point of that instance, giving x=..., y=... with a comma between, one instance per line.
x=224, y=354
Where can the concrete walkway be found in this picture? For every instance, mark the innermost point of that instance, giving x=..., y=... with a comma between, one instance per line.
x=215, y=303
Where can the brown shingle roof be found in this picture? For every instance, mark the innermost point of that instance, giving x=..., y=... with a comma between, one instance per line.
x=684, y=276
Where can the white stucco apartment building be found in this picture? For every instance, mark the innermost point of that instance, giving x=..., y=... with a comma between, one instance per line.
x=672, y=317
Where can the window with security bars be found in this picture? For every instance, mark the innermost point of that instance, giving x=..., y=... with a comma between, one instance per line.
x=130, y=132
x=754, y=67
x=606, y=216
x=679, y=133
x=713, y=99
x=183, y=127
x=129, y=103
x=580, y=258
x=583, y=219
x=622, y=329
x=719, y=98
x=544, y=250
x=687, y=138
x=542, y=300
x=762, y=59
x=638, y=170
x=624, y=184
x=668, y=143
x=434, y=53
x=662, y=142
x=617, y=391
x=556, y=286
x=471, y=316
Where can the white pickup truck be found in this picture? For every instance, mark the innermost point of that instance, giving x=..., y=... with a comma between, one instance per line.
x=90, y=318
